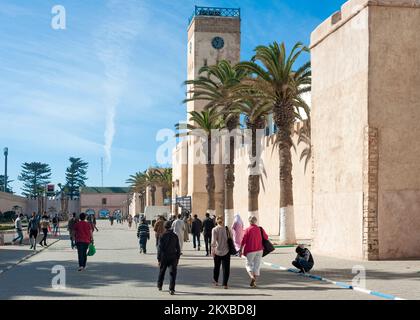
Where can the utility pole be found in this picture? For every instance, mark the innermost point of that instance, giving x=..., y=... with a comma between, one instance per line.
x=6, y=153
x=102, y=172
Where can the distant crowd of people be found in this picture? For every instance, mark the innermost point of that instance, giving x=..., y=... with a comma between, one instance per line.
x=37, y=224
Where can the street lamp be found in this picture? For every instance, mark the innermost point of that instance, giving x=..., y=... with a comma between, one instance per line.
x=6, y=153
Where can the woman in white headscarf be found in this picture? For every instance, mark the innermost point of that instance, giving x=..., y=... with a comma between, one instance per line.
x=237, y=231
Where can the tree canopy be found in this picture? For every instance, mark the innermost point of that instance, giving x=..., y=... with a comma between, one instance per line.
x=34, y=175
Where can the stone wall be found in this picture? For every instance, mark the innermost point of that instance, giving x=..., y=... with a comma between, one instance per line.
x=269, y=196
x=365, y=116
x=394, y=109
x=8, y=201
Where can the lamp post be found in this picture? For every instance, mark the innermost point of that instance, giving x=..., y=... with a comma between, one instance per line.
x=6, y=153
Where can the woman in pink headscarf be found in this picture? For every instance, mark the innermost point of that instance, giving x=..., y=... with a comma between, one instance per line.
x=237, y=231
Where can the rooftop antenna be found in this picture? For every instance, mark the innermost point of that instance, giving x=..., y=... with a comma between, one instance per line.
x=102, y=172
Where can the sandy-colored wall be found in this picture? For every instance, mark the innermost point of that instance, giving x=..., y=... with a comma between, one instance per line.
x=339, y=116
x=94, y=201
x=269, y=196
x=394, y=108
x=8, y=201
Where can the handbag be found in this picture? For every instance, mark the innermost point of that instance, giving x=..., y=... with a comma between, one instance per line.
x=231, y=245
x=267, y=245
x=91, y=250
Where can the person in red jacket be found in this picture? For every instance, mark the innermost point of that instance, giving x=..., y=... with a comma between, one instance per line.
x=84, y=236
x=252, y=248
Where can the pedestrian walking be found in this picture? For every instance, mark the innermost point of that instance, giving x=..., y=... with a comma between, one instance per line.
x=136, y=220
x=143, y=234
x=56, y=225
x=83, y=234
x=70, y=227
x=130, y=221
x=178, y=227
x=208, y=225
x=45, y=224
x=33, y=230
x=159, y=228
x=220, y=252
x=304, y=260
x=94, y=222
x=169, y=252
x=187, y=229
x=252, y=248
x=19, y=231
x=196, y=229
x=237, y=231
x=111, y=219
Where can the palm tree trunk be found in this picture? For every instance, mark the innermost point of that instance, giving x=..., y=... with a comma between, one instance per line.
x=230, y=175
x=287, y=227
x=152, y=194
x=142, y=204
x=253, y=177
x=210, y=183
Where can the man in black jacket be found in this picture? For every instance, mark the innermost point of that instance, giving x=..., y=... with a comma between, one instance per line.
x=169, y=252
x=208, y=225
x=196, y=228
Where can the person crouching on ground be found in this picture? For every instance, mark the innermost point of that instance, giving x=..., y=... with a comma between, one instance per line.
x=83, y=234
x=143, y=233
x=169, y=252
x=304, y=260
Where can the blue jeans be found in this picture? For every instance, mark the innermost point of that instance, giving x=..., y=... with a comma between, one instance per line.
x=196, y=240
x=302, y=265
x=19, y=236
x=143, y=243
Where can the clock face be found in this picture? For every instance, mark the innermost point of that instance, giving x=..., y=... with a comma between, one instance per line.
x=218, y=43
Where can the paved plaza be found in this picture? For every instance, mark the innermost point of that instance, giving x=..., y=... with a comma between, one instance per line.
x=118, y=271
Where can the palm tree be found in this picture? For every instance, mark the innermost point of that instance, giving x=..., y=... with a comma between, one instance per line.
x=214, y=86
x=164, y=180
x=151, y=182
x=255, y=111
x=204, y=122
x=138, y=184
x=276, y=79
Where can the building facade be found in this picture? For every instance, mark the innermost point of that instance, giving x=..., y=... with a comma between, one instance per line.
x=103, y=201
x=360, y=196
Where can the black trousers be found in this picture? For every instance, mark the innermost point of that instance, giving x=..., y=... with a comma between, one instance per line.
x=196, y=240
x=82, y=249
x=173, y=266
x=44, y=239
x=207, y=242
x=225, y=262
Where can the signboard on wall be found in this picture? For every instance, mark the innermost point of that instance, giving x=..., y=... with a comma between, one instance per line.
x=104, y=213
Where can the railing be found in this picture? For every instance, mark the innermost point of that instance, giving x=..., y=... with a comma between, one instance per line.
x=215, y=12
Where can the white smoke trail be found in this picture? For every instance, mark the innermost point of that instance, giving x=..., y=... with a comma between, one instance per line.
x=113, y=41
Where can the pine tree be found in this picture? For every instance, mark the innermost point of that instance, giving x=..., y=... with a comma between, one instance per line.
x=8, y=188
x=76, y=176
x=34, y=175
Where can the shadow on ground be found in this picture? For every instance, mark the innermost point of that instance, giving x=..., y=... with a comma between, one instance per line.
x=35, y=280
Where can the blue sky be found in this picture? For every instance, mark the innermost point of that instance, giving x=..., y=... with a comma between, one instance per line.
x=108, y=83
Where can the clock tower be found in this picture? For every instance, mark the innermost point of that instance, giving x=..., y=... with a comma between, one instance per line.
x=214, y=34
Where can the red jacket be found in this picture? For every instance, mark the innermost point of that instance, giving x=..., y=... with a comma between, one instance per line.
x=252, y=240
x=83, y=232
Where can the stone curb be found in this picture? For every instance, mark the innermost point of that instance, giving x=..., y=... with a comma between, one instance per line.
x=337, y=283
